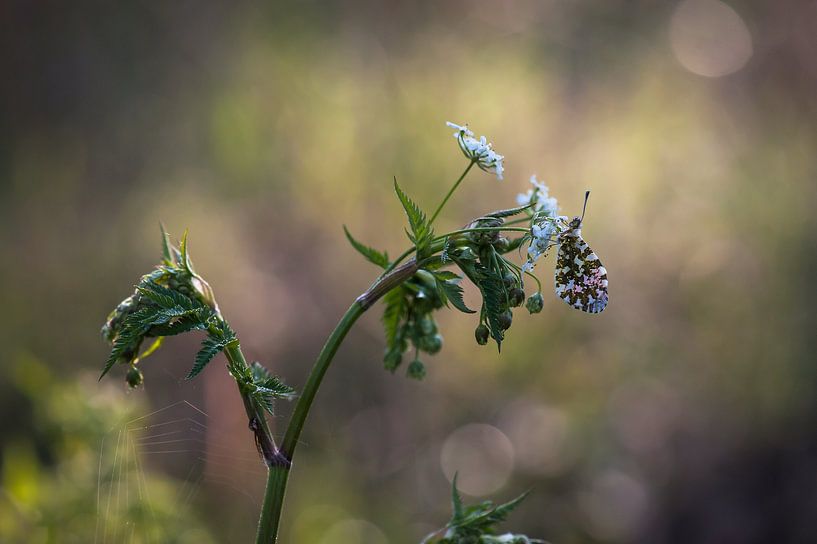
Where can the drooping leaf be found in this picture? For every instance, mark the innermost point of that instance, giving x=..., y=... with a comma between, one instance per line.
x=374, y=256
x=453, y=293
x=493, y=296
x=216, y=341
x=395, y=302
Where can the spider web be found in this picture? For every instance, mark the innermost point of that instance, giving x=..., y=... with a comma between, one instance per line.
x=157, y=472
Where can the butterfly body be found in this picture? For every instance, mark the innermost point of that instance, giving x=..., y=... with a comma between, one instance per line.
x=580, y=279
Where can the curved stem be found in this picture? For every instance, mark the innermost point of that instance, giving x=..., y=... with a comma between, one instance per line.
x=279, y=473
x=450, y=192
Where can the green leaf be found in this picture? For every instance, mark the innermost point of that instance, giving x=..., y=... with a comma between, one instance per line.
x=453, y=293
x=509, y=212
x=167, y=298
x=445, y=275
x=374, y=256
x=270, y=389
x=167, y=254
x=421, y=233
x=493, y=297
x=395, y=301
x=185, y=257
x=215, y=342
x=456, y=501
x=127, y=342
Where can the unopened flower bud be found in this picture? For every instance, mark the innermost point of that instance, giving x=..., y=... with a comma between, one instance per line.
x=482, y=334
x=535, y=303
x=431, y=344
x=502, y=244
x=134, y=377
x=505, y=320
x=509, y=280
x=416, y=370
x=427, y=326
x=516, y=297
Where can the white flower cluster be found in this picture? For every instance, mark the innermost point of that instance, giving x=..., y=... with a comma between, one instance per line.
x=479, y=151
x=538, y=196
x=543, y=237
x=547, y=224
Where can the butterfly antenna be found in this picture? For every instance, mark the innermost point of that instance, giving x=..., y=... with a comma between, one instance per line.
x=584, y=208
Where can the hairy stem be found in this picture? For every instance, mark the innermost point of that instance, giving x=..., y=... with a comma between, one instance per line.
x=279, y=472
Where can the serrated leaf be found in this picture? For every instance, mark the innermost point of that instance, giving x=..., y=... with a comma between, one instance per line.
x=127, y=340
x=453, y=293
x=179, y=326
x=165, y=297
x=509, y=212
x=456, y=501
x=374, y=256
x=185, y=257
x=493, y=296
x=421, y=233
x=445, y=275
x=167, y=254
x=215, y=342
x=395, y=302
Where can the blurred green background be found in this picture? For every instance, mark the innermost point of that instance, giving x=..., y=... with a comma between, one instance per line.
x=686, y=412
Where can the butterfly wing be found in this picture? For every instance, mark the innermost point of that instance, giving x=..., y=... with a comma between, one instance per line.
x=581, y=280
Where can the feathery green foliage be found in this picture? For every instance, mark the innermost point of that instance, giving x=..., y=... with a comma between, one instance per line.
x=421, y=232
x=256, y=382
x=476, y=524
x=380, y=258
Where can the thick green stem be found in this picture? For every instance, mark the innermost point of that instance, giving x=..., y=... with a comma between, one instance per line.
x=279, y=472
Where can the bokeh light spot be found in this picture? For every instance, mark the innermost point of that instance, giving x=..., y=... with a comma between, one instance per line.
x=482, y=456
x=539, y=436
x=615, y=506
x=709, y=38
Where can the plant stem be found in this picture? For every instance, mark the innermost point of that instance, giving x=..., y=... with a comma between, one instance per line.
x=450, y=192
x=255, y=413
x=279, y=472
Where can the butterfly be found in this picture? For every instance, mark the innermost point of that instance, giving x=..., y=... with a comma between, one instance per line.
x=580, y=279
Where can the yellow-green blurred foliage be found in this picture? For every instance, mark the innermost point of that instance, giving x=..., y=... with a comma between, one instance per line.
x=684, y=413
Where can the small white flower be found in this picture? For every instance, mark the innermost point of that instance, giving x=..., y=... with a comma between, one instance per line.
x=538, y=196
x=543, y=236
x=479, y=151
x=460, y=129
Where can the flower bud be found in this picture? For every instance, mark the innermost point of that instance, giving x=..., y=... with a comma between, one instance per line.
x=505, y=320
x=416, y=370
x=431, y=344
x=482, y=334
x=535, y=303
x=134, y=377
x=502, y=244
x=509, y=280
x=516, y=297
x=427, y=326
